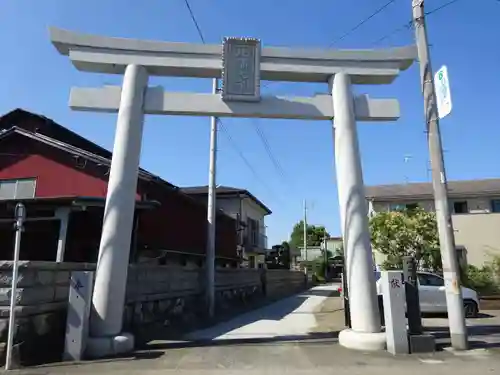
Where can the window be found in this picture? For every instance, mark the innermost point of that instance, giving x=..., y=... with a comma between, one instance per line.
x=401, y=206
x=495, y=205
x=460, y=207
x=426, y=279
x=17, y=189
x=397, y=207
x=253, y=229
x=412, y=206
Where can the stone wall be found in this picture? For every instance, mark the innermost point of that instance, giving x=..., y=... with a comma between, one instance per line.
x=42, y=297
x=170, y=300
x=166, y=297
x=282, y=283
x=160, y=296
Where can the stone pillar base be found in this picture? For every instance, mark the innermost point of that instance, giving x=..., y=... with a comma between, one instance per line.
x=362, y=341
x=98, y=347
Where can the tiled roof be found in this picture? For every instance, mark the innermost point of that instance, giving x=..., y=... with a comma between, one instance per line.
x=43, y=125
x=57, y=136
x=224, y=190
x=204, y=190
x=424, y=190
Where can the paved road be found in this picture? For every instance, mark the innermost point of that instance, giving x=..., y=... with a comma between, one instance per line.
x=290, y=318
x=484, y=331
x=277, y=339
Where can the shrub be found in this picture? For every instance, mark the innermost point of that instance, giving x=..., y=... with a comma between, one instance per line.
x=480, y=279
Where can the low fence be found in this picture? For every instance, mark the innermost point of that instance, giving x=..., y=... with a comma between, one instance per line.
x=169, y=296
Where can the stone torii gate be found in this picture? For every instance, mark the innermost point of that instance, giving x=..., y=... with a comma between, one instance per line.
x=241, y=63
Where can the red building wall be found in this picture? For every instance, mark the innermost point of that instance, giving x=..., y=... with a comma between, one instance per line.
x=58, y=175
x=186, y=218
x=179, y=224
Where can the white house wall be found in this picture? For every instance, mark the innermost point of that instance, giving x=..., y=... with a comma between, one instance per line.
x=230, y=206
x=477, y=231
x=249, y=209
x=252, y=210
x=475, y=205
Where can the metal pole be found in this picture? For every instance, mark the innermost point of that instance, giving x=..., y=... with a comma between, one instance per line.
x=305, y=230
x=20, y=213
x=412, y=297
x=456, y=317
x=63, y=215
x=211, y=211
x=326, y=257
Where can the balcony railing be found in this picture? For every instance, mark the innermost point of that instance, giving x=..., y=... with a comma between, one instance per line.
x=255, y=240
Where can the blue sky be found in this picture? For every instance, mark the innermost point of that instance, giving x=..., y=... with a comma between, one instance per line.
x=463, y=36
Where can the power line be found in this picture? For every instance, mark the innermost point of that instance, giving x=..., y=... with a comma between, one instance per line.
x=441, y=7
x=408, y=25
x=233, y=144
x=194, y=21
x=362, y=22
x=221, y=125
x=200, y=33
x=236, y=148
x=267, y=147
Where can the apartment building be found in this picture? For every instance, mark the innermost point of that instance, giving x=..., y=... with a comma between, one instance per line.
x=475, y=208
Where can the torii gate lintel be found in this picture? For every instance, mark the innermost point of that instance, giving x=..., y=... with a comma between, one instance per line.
x=242, y=64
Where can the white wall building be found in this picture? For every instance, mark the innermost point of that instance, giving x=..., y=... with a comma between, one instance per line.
x=250, y=214
x=474, y=205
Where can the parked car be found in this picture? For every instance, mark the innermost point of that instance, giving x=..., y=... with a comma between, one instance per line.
x=432, y=295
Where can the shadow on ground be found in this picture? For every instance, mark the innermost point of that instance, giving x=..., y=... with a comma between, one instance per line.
x=320, y=293
x=444, y=315
x=480, y=336
x=309, y=338
x=273, y=310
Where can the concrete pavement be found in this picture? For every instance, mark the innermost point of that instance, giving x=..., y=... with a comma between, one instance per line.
x=293, y=358
x=296, y=335
x=292, y=317
x=483, y=332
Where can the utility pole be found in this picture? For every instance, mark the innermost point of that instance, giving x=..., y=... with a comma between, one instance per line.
x=407, y=158
x=305, y=231
x=456, y=317
x=325, y=255
x=211, y=214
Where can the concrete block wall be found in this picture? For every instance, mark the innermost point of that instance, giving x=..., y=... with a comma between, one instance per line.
x=167, y=297
x=160, y=297
x=171, y=299
x=236, y=287
x=282, y=283
x=42, y=297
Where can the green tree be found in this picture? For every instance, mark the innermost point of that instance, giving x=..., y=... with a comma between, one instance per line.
x=279, y=256
x=407, y=232
x=315, y=235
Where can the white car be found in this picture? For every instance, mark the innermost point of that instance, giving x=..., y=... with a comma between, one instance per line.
x=431, y=291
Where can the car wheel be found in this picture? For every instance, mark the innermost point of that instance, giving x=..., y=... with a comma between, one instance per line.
x=471, y=309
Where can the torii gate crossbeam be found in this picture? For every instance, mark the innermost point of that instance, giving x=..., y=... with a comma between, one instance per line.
x=138, y=59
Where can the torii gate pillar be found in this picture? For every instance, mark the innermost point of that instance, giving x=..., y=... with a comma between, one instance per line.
x=365, y=333
x=245, y=64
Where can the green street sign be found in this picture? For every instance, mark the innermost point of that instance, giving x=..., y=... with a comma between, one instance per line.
x=443, y=95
